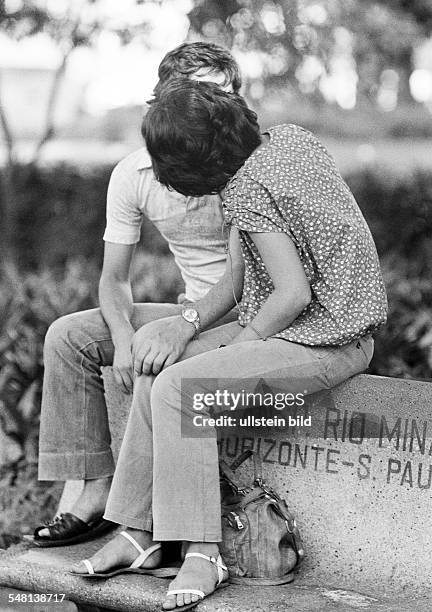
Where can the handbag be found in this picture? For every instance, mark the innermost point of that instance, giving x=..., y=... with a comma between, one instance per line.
x=261, y=543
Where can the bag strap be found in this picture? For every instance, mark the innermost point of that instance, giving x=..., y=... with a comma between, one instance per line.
x=258, y=471
x=228, y=472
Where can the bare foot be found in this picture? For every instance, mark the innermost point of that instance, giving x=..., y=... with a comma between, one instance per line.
x=91, y=502
x=195, y=573
x=119, y=552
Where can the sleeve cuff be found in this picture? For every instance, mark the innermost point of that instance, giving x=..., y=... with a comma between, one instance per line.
x=121, y=238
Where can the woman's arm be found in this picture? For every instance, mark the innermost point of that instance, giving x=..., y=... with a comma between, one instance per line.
x=291, y=288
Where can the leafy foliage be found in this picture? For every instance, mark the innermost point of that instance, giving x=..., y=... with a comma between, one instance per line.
x=403, y=347
x=60, y=214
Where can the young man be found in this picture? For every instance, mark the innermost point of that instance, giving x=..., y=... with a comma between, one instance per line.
x=74, y=433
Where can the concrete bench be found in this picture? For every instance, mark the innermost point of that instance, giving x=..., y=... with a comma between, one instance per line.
x=359, y=482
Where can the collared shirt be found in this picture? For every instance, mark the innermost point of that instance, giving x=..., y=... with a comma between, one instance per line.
x=193, y=227
x=291, y=185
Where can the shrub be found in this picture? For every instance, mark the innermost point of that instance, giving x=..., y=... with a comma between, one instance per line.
x=60, y=215
x=403, y=347
x=399, y=213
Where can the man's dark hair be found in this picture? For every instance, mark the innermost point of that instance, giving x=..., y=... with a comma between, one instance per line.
x=198, y=136
x=191, y=57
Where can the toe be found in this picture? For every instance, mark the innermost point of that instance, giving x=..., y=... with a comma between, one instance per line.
x=180, y=601
x=79, y=568
x=170, y=603
x=43, y=533
x=187, y=598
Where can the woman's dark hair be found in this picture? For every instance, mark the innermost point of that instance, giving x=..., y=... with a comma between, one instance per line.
x=188, y=58
x=198, y=136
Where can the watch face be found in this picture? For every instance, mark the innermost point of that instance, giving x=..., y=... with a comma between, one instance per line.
x=190, y=314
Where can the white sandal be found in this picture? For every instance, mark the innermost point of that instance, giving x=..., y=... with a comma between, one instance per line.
x=135, y=567
x=220, y=567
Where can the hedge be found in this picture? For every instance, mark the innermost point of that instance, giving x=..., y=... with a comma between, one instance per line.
x=61, y=214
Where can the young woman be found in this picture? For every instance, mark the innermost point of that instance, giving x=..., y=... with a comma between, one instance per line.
x=302, y=264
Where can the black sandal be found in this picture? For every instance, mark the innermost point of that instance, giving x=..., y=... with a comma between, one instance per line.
x=66, y=529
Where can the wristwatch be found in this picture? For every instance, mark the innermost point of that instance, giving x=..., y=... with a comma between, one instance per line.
x=191, y=315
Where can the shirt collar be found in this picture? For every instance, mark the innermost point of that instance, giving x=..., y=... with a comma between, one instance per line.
x=144, y=159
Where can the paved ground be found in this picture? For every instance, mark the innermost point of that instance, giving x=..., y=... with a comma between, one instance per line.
x=300, y=598
x=43, y=571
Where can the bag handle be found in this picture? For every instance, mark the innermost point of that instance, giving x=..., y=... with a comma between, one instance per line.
x=257, y=461
x=228, y=472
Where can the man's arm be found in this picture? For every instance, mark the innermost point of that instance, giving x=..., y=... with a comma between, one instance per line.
x=115, y=298
x=220, y=299
x=159, y=344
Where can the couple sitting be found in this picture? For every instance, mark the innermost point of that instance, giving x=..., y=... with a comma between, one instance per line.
x=303, y=269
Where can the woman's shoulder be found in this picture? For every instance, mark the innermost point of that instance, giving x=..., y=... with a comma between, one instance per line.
x=294, y=137
x=287, y=147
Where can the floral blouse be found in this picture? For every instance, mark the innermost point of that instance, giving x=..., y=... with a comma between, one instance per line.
x=291, y=184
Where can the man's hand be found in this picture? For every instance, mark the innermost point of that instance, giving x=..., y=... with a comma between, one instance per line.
x=159, y=344
x=123, y=365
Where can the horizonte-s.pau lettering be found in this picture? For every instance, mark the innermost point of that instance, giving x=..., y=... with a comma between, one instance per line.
x=380, y=449
x=404, y=435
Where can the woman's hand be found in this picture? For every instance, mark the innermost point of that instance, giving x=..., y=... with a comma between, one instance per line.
x=159, y=344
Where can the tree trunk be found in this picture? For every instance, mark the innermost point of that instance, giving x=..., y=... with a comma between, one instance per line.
x=49, y=130
x=7, y=189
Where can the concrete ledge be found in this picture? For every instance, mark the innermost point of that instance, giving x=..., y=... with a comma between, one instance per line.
x=359, y=481
x=46, y=571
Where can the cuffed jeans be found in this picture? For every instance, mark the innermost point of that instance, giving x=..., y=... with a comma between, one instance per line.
x=168, y=482
x=74, y=441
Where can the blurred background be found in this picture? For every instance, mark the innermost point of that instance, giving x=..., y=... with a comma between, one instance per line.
x=74, y=78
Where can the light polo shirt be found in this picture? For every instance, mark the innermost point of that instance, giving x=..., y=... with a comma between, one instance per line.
x=193, y=227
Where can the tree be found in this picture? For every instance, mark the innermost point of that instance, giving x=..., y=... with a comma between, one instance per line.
x=288, y=33
x=70, y=25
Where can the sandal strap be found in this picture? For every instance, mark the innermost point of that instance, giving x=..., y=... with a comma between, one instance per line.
x=132, y=540
x=89, y=566
x=220, y=566
x=143, y=554
x=200, y=594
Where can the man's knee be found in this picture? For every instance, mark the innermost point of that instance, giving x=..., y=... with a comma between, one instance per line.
x=74, y=329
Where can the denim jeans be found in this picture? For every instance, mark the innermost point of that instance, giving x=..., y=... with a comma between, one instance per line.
x=74, y=442
x=168, y=482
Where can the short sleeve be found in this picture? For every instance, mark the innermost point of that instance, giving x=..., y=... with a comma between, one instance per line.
x=123, y=216
x=249, y=206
